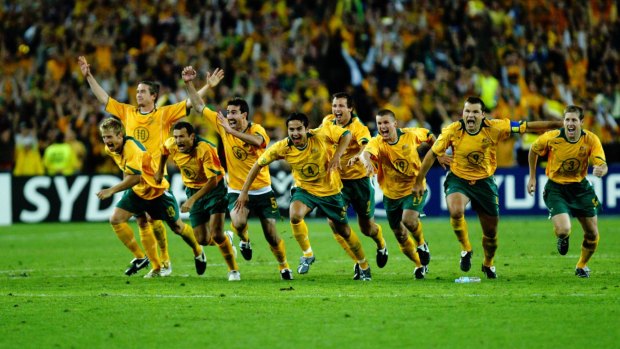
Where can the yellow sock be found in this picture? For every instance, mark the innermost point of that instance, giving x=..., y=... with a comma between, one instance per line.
x=379, y=240
x=345, y=246
x=460, y=229
x=228, y=254
x=300, y=232
x=588, y=247
x=125, y=234
x=418, y=235
x=408, y=248
x=356, y=248
x=188, y=236
x=159, y=229
x=243, y=235
x=489, y=245
x=279, y=251
x=150, y=245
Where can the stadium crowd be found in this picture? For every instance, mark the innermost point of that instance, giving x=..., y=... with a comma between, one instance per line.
x=526, y=59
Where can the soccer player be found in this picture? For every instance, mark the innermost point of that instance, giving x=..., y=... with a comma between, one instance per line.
x=473, y=141
x=314, y=157
x=357, y=189
x=145, y=196
x=150, y=126
x=244, y=142
x=570, y=150
x=203, y=176
x=395, y=151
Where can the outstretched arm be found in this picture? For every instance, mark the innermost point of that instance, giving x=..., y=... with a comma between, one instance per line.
x=542, y=126
x=127, y=182
x=97, y=90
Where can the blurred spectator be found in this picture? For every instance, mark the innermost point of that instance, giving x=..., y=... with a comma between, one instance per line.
x=27, y=157
x=7, y=148
x=283, y=56
x=59, y=158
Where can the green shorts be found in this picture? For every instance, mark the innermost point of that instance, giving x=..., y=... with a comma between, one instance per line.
x=394, y=207
x=577, y=199
x=333, y=205
x=163, y=207
x=482, y=193
x=213, y=202
x=263, y=205
x=360, y=194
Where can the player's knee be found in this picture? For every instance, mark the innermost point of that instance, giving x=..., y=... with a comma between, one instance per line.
x=115, y=220
x=457, y=214
x=296, y=219
x=590, y=235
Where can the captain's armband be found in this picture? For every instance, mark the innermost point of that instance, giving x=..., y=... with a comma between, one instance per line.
x=518, y=126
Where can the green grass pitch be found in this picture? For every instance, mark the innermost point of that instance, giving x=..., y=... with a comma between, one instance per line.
x=62, y=286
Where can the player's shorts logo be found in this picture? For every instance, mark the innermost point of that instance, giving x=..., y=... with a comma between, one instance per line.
x=141, y=134
x=240, y=153
x=310, y=170
x=475, y=157
x=401, y=165
x=188, y=173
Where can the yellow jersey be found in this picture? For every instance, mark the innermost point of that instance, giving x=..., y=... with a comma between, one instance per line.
x=150, y=129
x=568, y=162
x=309, y=165
x=474, y=155
x=359, y=137
x=240, y=156
x=198, y=166
x=399, y=163
x=135, y=160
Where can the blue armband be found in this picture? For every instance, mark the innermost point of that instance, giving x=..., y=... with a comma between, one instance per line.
x=515, y=126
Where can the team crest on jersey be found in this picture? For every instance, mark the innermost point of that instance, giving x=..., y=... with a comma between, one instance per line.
x=239, y=153
x=571, y=165
x=475, y=157
x=141, y=134
x=406, y=150
x=582, y=151
x=188, y=173
x=401, y=165
x=310, y=170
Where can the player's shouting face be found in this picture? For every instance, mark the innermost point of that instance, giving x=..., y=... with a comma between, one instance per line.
x=472, y=116
x=235, y=117
x=297, y=133
x=184, y=141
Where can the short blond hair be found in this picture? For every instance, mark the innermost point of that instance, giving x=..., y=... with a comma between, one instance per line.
x=111, y=124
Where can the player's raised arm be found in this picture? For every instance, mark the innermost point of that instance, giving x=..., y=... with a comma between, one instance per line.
x=212, y=81
x=189, y=74
x=97, y=90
